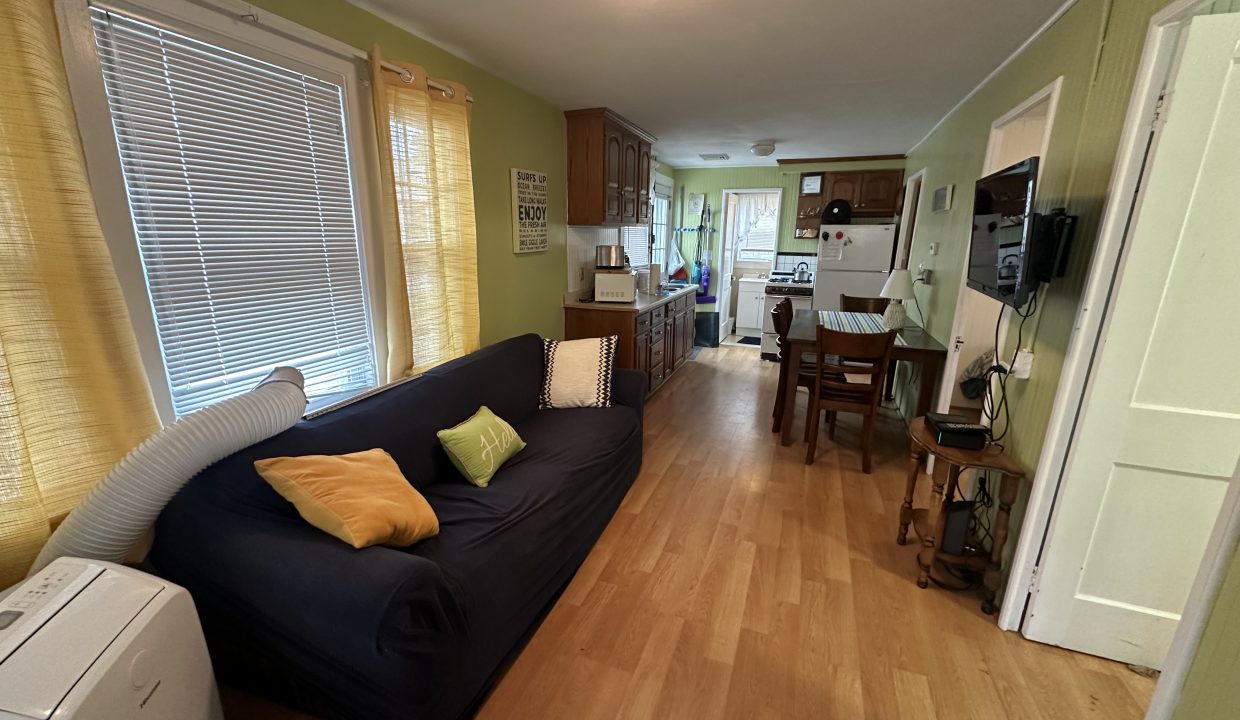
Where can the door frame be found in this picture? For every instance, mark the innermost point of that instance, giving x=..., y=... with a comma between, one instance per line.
x=1104, y=273
x=723, y=243
x=951, y=364
x=1206, y=586
x=914, y=189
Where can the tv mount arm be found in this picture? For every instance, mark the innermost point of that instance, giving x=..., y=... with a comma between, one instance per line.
x=1053, y=234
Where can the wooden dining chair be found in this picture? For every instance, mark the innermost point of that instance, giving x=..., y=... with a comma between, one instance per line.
x=781, y=315
x=853, y=303
x=848, y=377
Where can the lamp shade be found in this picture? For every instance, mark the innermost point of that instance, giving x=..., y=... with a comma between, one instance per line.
x=899, y=285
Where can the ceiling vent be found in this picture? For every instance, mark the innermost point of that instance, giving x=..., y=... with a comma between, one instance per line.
x=710, y=157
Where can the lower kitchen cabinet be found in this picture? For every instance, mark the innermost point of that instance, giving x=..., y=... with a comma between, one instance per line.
x=655, y=334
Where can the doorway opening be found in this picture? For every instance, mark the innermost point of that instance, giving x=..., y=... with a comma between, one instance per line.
x=908, y=218
x=750, y=237
x=1021, y=133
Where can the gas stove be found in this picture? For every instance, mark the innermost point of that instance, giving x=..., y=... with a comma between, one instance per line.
x=784, y=284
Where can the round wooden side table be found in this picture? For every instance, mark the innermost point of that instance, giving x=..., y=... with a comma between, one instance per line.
x=929, y=523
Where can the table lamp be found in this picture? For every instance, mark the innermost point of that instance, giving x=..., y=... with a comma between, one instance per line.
x=898, y=288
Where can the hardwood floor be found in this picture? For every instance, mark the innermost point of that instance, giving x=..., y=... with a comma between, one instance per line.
x=736, y=582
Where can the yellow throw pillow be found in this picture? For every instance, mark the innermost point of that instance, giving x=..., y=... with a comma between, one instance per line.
x=361, y=498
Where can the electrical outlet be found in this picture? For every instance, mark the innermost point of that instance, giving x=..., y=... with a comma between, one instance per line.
x=1023, y=365
x=924, y=273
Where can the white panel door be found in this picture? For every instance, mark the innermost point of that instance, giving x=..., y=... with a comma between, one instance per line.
x=724, y=281
x=1159, y=432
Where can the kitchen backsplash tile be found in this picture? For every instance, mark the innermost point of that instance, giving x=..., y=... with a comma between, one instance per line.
x=787, y=262
x=581, y=243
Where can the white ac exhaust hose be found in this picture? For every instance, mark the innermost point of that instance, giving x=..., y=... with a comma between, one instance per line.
x=112, y=518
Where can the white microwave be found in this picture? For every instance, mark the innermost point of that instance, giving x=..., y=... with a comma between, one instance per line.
x=615, y=287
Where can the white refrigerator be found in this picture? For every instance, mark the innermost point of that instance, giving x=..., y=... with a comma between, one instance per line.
x=852, y=260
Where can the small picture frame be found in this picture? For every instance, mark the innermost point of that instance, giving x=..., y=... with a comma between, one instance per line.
x=811, y=184
x=941, y=201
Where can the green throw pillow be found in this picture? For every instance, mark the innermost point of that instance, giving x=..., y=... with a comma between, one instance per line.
x=480, y=445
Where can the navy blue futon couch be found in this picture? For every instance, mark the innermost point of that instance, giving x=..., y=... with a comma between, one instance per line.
x=296, y=615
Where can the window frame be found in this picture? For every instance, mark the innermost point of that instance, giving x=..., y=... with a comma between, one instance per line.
x=660, y=241
x=273, y=40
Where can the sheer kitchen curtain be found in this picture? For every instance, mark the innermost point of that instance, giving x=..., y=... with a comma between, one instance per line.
x=430, y=238
x=73, y=396
x=751, y=208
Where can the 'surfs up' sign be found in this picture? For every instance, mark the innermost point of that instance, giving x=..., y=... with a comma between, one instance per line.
x=529, y=211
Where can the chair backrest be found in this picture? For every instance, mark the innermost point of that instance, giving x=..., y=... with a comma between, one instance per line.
x=781, y=314
x=852, y=303
x=840, y=353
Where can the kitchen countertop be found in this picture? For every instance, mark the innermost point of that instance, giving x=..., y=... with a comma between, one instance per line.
x=643, y=302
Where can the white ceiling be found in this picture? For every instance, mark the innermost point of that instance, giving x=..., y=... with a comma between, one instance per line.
x=822, y=78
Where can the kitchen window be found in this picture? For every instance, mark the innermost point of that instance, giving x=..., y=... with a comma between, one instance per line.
x=636, y=241
x=757, y=226
x=238, y=177
x=661, y=207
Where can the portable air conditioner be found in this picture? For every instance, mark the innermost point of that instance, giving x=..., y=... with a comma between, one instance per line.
x=89, y=640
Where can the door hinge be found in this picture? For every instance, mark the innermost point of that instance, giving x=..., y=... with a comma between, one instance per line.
x=1160, y=110
x=957, y=343
x=1034, y=581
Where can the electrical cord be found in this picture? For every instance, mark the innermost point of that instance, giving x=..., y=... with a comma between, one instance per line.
x=921, y=317
x=994, y=408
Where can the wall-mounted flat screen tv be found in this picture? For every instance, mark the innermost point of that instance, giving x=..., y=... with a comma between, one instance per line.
x=1001, y=249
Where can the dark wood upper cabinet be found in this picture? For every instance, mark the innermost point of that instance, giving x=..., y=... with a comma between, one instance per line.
x=608, y=169
x=841, y=186
x=628, y=185
x=879, y=193
x=613, y=182
x=872, y=193
x=643, y=183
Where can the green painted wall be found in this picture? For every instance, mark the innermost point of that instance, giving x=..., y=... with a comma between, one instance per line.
x=1211, y=690
x=511, y=128
x=713, y=181
x=1095, y=47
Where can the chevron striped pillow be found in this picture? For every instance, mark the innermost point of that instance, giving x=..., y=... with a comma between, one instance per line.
x=578, y=373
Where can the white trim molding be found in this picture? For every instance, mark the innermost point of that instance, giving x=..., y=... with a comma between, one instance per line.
x=1220, y=550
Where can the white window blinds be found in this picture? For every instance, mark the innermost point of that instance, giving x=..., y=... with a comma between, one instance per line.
x=238, y=180
x=636, y=241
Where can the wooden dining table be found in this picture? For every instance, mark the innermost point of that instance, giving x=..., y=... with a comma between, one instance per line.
x=913, y=344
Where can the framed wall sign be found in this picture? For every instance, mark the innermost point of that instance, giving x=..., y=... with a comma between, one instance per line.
x=811, y=184
x=529, y=211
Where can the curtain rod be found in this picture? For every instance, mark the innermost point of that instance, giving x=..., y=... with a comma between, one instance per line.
x=407, y=76
x=241, y=10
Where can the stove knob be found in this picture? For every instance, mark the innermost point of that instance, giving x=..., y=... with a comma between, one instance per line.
x=826, y=235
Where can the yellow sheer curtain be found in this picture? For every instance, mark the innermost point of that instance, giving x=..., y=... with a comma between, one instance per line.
x=430, y=239
x=73, y=397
